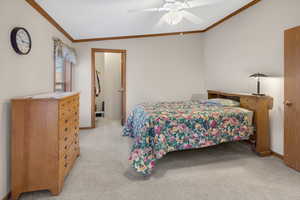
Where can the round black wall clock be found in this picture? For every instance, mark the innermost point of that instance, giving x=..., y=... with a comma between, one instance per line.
x=20, y=40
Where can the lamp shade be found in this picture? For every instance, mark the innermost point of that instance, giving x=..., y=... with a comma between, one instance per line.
x=258, y=75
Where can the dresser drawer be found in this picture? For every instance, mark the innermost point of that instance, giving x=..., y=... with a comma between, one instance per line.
x=65, y=166
x=67, y=161
x=69, y=130
x=68, y=112
x=66, y=122
x=65, y=130
x=65, y=143
x=69, y=126
x=69, y=118
x=76, y=141
x=68, y=102
x=77, y=150
x=76, y=121
x=75, y=128
x=71, y=140
x=75, y=100
x=66, y=153
x=69, y=107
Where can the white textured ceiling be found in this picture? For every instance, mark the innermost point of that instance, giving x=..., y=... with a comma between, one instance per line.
x=110, y=18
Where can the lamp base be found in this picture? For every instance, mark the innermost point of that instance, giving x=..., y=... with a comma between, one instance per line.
x=256, y=94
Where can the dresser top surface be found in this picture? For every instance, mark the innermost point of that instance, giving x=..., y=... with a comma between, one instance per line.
x=51, y=95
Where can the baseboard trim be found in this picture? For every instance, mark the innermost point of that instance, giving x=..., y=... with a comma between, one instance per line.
x=277, y=155
x=264, y=153
x=6, y=197
x=86, y=128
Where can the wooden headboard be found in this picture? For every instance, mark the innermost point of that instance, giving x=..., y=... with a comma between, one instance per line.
x=260, y=105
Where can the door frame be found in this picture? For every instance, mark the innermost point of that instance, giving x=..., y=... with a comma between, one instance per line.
x=123, y=82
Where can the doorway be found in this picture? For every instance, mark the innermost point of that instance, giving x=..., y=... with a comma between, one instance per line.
x=108, y=85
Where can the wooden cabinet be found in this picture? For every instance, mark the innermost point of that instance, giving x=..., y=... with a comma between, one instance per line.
x=292, y=98
x=44, y=141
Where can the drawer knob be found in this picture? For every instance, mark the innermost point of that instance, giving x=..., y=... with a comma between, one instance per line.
x=66, y=165
x=66, y=138
x=66, y=157
x=66, y=121
x=66, y=147
x=66, y=129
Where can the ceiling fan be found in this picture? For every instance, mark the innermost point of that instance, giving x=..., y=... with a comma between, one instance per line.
x=176, y=10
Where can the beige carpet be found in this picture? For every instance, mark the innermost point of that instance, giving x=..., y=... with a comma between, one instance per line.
x=227, y=172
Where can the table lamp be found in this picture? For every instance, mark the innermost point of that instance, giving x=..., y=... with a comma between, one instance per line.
x=258, y=76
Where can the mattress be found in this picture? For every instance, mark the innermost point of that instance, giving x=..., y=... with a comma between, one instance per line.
x=249, y=114
x=164, y=127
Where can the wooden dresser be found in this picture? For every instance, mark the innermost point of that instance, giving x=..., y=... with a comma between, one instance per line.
x=260, y=105
x=44, y=141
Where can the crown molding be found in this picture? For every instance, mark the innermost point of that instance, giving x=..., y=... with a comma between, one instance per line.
x=38, y=8
x=137, y=36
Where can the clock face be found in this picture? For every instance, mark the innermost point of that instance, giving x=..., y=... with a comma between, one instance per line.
x=21, y=40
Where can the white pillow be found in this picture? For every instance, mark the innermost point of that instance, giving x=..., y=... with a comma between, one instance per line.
x=225, y=102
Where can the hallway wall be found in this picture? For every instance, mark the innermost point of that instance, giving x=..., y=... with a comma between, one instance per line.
x=99, y=66
x=112, y=83
x=109, y=65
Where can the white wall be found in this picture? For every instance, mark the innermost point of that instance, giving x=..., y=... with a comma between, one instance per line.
x=109, y=66
x=253, y=42
x=99, y=65
x=112, y=85
x=21, y=75
x=158, y=69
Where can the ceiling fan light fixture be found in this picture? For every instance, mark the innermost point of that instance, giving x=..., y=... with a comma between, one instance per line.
x=173, y=17
x=177, y=10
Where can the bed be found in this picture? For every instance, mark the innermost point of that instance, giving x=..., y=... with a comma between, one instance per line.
x=164, y=127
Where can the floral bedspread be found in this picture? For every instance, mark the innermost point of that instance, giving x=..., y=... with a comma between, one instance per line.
x=171, y=126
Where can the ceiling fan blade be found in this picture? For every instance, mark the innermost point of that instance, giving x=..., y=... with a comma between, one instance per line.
x=144, y=10
x=191, y=17
x=199, y=3
x=162, y=20
x=150, y=10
